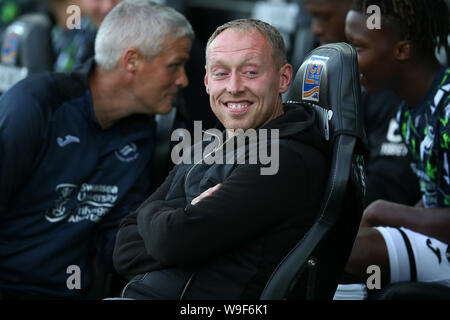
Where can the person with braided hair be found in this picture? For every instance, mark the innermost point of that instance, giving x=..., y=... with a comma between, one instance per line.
x=388, y=175
x=408, y=243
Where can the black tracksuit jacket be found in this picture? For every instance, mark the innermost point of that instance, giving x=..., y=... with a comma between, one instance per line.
x=234, y=238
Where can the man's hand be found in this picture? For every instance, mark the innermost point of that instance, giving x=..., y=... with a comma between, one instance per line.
x=205, y=194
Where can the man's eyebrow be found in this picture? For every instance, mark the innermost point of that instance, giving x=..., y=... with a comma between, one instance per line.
x=177, y=61
x=217, y=63
x=223, y=63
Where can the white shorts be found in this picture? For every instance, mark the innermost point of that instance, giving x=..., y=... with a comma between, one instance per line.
x=416, y=257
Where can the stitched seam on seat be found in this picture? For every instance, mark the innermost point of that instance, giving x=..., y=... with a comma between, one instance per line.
x=333, y=180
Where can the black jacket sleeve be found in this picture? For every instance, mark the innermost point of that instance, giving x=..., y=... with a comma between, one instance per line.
x=130, y=256
x=247, y=205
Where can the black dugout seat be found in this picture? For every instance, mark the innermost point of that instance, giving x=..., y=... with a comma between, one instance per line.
x=26, y=49
x=328, y=80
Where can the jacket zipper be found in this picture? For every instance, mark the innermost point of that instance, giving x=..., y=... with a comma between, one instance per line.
x=195, y=164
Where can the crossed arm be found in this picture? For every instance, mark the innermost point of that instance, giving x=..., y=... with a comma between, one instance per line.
x=245, y=206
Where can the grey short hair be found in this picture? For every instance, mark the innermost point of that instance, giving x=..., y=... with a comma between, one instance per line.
x=139, y=24
x=268, y=31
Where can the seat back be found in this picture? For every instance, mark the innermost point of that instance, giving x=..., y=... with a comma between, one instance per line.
x=328, y=80
x=26, y=49
x=161, y=163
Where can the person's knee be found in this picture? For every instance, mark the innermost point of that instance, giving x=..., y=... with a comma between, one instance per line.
x=369, y=249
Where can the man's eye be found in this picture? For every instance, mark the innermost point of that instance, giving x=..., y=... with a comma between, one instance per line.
x=175, y=66
x=220, y=74
x=321, y=17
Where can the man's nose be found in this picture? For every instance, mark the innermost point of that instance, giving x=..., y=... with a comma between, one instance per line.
x=182, y=79
x=235, y=85
x=316, y=28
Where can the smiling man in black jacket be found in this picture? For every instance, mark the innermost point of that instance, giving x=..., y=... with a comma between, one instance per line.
x=225, y=225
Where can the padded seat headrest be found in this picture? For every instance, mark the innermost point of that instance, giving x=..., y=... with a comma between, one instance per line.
x=27, y=43
x=26, y=48
x=329, y=78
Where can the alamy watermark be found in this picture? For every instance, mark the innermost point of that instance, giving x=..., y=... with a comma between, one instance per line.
x=374, y=21
x=249, y=146
x=374, y=280
x=73, y=21
x=74, y=279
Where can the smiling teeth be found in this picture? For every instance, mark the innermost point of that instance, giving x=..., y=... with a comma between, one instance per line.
x=237, y=106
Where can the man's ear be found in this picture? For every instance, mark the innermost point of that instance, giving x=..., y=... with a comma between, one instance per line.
x=205, y=80
x=402, y=50
x=285, y=77
x=130, y=60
